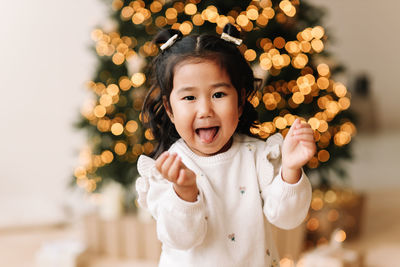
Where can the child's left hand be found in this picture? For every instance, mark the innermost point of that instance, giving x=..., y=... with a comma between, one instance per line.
x=298, y=148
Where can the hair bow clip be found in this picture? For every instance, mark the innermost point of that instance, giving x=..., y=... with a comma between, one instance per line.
x=231, y=39
x=169, y=43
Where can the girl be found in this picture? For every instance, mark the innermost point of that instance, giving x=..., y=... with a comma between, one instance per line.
x=213, y=189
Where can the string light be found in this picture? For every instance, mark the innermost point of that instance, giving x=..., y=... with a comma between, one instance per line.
x=250, y=54
x=126, y=13
x=312, y=224
x=287, y=7
x=137, y=149
x=117, y=4
x=148, y=134
x=317, y=32
x=186, y=27
x=340, y=236
x=138, y=79
x=155, y=7
x=252, y=12
x=171, y=13
x=107, y=156
x=280, y=122
x=120, y=148
x=190, y=9
x=268, y=12
x=317, y=203
x=160, y=21
x=124, y=83
x=117, y=129
x=131, y=126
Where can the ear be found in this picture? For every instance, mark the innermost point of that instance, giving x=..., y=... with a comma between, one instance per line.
x=168, y=109
x=242, y=101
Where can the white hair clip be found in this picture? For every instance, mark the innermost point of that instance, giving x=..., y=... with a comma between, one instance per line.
x=231, y=39
x=170, y=42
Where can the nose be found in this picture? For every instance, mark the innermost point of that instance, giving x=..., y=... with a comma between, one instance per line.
x=205, y=108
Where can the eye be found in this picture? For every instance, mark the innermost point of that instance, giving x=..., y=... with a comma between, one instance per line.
x=219, y=95
x=189, y=98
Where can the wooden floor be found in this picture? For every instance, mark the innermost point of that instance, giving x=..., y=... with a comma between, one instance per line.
x=379, y=242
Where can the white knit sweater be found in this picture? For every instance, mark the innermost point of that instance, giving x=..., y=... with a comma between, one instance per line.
x=241, y=193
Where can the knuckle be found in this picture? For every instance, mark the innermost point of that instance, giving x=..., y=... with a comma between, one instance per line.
x=172, y=174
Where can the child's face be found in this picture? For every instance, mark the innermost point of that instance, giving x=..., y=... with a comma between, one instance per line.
x=204, y=107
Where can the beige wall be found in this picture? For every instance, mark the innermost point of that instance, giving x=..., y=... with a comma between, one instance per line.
x=367, y=39
x=44, y=63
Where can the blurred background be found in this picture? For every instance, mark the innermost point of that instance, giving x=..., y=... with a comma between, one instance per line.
x=45, y=63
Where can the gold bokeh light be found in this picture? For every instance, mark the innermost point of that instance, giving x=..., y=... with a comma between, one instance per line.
x=149, y=135
x=171, y=13
x=117, y=129
x=138, y=79
x=99, y=111
x=127, y=12
x=323, y=69
x=105, y=100
x=107, y=156
x=155, y=6
x=190, y=9
x=339, y=89
x=252, y=13
x=186, y=27
x=317, y=45
x=323, y=155
x=120, y=148
x=317, y=32
x=250, y=54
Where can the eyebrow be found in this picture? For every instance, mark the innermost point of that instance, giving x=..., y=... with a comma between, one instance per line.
x=216, y=85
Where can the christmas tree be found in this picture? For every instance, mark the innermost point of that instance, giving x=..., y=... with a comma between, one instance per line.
x=283, y=41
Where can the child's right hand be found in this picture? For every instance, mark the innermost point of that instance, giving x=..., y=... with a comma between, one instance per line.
x=172, y=168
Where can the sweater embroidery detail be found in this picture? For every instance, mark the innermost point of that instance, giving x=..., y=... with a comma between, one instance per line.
x=232, y=237
x=242, y=190
x=250, y=147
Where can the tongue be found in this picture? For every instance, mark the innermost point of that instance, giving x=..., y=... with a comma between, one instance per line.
x=207, y=134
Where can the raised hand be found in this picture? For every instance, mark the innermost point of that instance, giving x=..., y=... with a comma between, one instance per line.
x=298, y=148
x=172, y=168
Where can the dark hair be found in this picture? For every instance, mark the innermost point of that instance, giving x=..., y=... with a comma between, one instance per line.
x=189, y=48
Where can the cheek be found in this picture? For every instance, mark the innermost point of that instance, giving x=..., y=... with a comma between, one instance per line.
x=232, y=116
x=181, y=117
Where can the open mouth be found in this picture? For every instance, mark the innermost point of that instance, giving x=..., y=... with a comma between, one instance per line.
x=207, y=135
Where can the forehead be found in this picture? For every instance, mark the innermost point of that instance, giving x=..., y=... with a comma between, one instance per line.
x=199, y=71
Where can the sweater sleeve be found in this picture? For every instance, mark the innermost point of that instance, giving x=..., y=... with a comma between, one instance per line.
x=285, y=205
x=180, y=224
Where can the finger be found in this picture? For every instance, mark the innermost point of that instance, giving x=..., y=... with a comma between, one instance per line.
x=294, y=125
x=304, y=125
x=167, y=164
x=304, y=130
x=309, y=144
x=161, y=159
x=174, y=169
x=304, y=137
